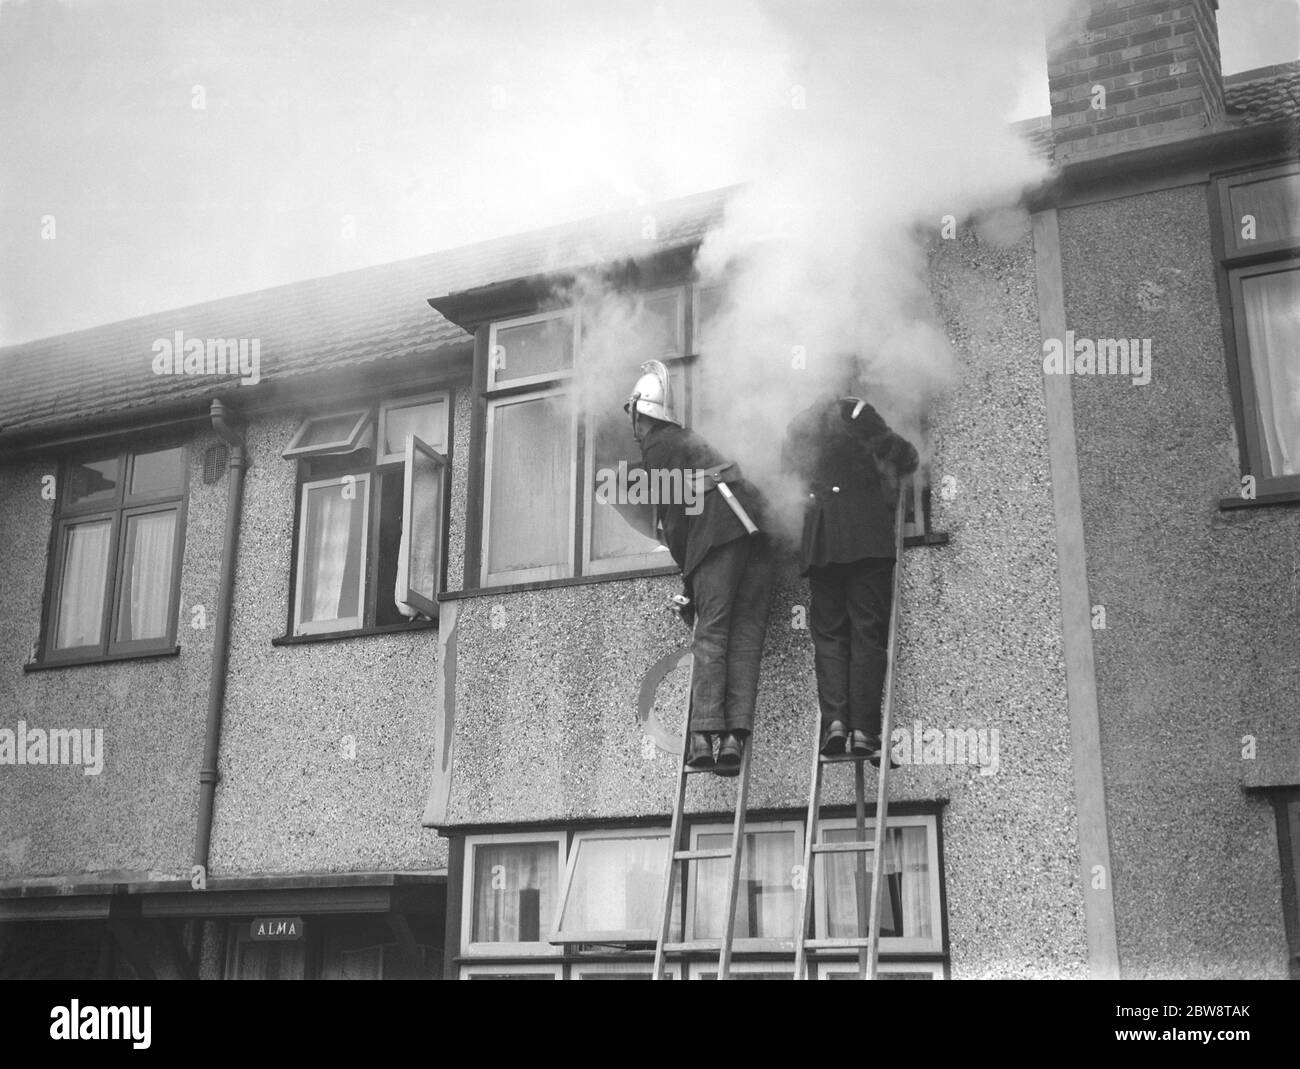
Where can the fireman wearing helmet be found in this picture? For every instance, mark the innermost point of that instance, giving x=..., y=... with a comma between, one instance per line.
x=727, y=571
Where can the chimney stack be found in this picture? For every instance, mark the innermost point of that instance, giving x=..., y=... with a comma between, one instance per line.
x=1125, y=74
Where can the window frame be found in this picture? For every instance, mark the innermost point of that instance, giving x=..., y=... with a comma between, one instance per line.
x=492, y=394
x=493, y=384
x=697, y=969
x=320, y=627
x=541, y=948
x=414, y=401
x=849, y=967
x=563, y=570
x=1233, y=263
x=296, y=449
x=117, y=510
x=642, y=970
x=888, y=944
x=625, y=935
x=746, y=944
x=376, y=471
x=469, y=970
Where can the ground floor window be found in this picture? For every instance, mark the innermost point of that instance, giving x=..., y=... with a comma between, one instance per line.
x=584, y=904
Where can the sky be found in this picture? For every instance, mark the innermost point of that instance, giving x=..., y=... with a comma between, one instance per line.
x=158, y=153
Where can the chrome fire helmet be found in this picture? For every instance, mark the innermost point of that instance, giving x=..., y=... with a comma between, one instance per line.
x=652, y=395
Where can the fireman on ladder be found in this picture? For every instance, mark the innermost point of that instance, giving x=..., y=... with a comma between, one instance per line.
x=727, y=568
x=851, y=464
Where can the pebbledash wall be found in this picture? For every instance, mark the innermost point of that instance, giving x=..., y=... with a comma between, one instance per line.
x=1200, y=654
x=291, y=796
x=542, y=718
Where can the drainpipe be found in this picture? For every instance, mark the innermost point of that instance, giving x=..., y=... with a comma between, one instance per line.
x=222, y=422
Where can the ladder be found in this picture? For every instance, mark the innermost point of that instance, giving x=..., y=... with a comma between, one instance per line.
x=678, y=851
x=867, y=945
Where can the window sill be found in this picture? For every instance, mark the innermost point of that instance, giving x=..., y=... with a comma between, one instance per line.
x=552, y=584
x=361, y=632
x=1277, y=497
x=77, y=662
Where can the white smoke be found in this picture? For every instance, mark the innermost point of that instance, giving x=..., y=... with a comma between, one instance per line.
x=881, y=126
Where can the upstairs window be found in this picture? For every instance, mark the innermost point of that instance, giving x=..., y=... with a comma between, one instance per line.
x=552, y=443
x=371, y=502
x=115, y=567
x=1260, y=270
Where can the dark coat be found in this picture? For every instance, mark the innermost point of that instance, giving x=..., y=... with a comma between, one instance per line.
x=851, y=469
x=690, y=537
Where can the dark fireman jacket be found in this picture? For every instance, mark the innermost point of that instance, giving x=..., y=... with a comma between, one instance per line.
x=851, y=468
x=689, y=537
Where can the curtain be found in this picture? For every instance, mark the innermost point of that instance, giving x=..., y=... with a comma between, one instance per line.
x=905, y=898
x=333, y=537
x=1273, y=331
x=765, y=900
x=515, y=887
x=143, y=613
x=81, y=592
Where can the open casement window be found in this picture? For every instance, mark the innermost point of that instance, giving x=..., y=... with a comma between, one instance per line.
x=557, y=498
x=909, y=899
x=369, y=548
x=511, y=892
x=613, y=888
x=1260, y=270
x=320, y=435
x=766, y=900
x=115, y=567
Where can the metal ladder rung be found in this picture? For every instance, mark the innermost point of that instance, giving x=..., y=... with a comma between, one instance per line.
x=700, y=855
x=842, y=848
x=691, y=770
x=843, y=758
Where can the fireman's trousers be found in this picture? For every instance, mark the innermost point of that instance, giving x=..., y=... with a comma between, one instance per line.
x=732, y=591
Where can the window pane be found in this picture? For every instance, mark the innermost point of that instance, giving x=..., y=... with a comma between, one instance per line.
x=619, y=519
x=515, y=888
x=905, y=898
x=659, y=325
x=147, y=582
x=617, y=886
x=157, y=473
x=327, y=430
x=420, y=563
x=1275, y=205
x=92, y=480
x=1273, y=330
x=333, y=550
x=81, y=587
x=766, y=901
x=428, y=422
x=532, y=348
x=708, y=303
x=532, y=471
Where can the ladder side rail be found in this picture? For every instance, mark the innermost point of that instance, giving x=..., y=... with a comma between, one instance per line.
x=675, y=830
x=737, y=850
x=810, y=835
x=886, y=727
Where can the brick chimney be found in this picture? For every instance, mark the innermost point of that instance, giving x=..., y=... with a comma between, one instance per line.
x=1126, y=74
